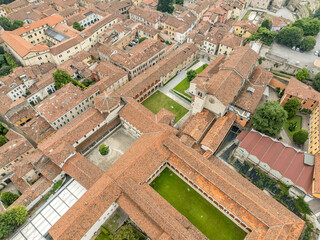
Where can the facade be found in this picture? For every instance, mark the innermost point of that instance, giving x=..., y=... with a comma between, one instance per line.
x=244, y=28
x=146, y=16
x=66, y=104
x=51, y=40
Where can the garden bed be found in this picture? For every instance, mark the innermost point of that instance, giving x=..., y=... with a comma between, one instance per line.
x=297, y=121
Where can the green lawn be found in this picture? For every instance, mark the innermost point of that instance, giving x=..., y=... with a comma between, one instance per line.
x=298, y=120
x=245, y=17
x=185, y=83
x=202, y=214
x=158, y=100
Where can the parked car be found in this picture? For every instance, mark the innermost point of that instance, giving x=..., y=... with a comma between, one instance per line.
x=319, y=54
x=297, y=49
x=301, y=50
x=293, y=48
x=316, y=53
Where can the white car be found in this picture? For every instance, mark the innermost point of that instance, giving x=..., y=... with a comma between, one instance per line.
x=316, y=53
x=293, y=48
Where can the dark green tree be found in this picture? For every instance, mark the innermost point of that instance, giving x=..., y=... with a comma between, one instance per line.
x=77, y=26
x=266, y=24
x=1, y=50
x=191, y=74
x=142, y=39
x=300, y=136
x=302, y=74
x=61, y=78
x=290, y=36
x=180, y=2
x=269, y=118
x=3, y=129
x=316, y=82
x=264, y=35
x=2, y=140
x=9, y=26
x=165, y=6
x=8, y=198
x=87, y=82
x=308, y=43
x=308, y=25
x=292, y=106
x=317, y=14
x=16, y=24
x=5, y=70
x=125, y=233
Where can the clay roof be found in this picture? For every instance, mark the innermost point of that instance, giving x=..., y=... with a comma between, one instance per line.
x=107, y=101
x=148, y=29
x=279, y=21
x=259, y=80
x=247, y=25
x=218, y=131
x=62, y=101
x=197, y=125
x=82, y=170
x=300, y=90
x=231, y=40
x=286, y=160
x=146, y=13
x=6, y=102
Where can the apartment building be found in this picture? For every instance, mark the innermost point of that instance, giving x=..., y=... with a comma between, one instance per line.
x=51, y=40
x=146, y=16
x=244, y=28
x=66, y=104
x=86, y=18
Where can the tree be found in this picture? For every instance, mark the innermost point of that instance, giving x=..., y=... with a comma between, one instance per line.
x=2, y=140
x=300, y=136
x=103, y=149
x=165, y=6
x=3, y=129
x=308, y=43
x=5, y=70
x=266, y=24
x=87, y=82
x=125, y=233
x=1, y=50
x=77, y=26
x=11, y=219
x=302, y=74
x=264, y=35
x=317, y=14
x=191, y=74
x=180, y=2
x=290, y=36
x=9, y=26
x=292, y=106
x=308, y=25
x=17, y=24
x=316, y=82
x=269, y=118
x=61, y=78
x=142, y=39
x=8, y=198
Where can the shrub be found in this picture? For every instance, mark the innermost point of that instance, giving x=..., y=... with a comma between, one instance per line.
x=7, y=198
x=2, y=140
x=142, y=39
x=301, y=136
x=292, y=126
x=87, y=82
x=302, y=74
x=302, y=206
x=56, y=185
x=103, y=149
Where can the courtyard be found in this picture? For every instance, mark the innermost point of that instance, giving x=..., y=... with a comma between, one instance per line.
x=158, y=100
x=119, y=141
x=201, y=213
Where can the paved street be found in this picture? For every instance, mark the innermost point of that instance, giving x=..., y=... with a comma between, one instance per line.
x=283, y=12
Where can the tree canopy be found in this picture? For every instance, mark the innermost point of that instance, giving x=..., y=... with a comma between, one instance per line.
x=292, y=106
x=300, y=136
x=308, y=43
x=316, y=82
x=11, y=219
x=266, y=24
x=290, y=36
x=8, y=198
x=126, y=233
x=2, y=140
x=77, y=26
x=3, y=129
x=165, y=6
x=302, y=74
x=269, y=118
x=8, y=25
x=191, y=74
x=317, y=14
x=62, y=78
x=103, y=149
x=308, y=25
x=264, y=35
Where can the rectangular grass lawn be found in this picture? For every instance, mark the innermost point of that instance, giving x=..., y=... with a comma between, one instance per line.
x=158, y=100
x=201, y=213
x=298, y=120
